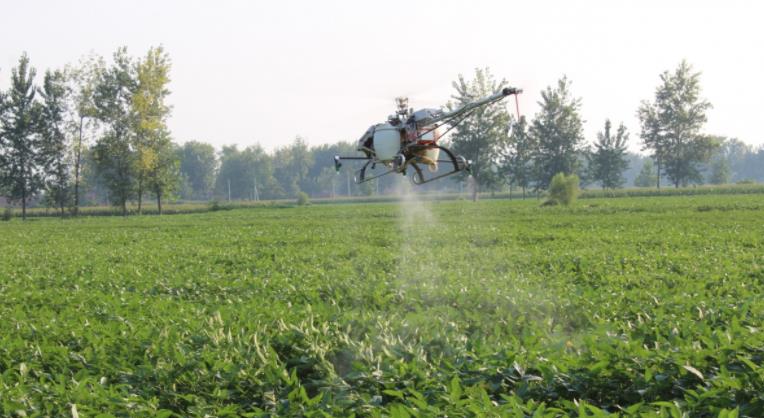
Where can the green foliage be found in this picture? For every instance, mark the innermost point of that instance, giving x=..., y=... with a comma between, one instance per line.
x=114, y=152
x=157, y=165
x=198, y=163
x=671, y=126
x=54, y=149
x=558, y=131
x=303, y=199
x=647, y=176
x=21, y=156
x=518, y=154
x=608, y=161
x=82, y=82
x=269, y=312
x=563, y=189
x=480, y=137
x=291, y=165
x=720, y=171
x=246, y=169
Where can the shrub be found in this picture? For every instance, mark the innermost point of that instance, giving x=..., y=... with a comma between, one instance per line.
x=563, y=190
x=7, y=214
x=303, y=199
x=214, y=205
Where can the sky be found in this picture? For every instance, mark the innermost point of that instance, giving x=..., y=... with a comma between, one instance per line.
x=247, y=72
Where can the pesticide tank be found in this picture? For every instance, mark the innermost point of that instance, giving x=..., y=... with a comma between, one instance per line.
x=430, y=156
x=387, y=141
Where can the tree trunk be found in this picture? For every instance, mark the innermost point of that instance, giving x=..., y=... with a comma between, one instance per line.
x=24, y=202
x=124, y=207
x=140, y=195
x=77, y=160
x=159, y=201
x=658, y=166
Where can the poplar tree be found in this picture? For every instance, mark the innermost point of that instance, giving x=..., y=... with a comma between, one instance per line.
x=21, y=158
x=83, y=80
x=114, y=152
x=518, y=154
x=608, y=160
x=480, y=137
x=54, y=145
x=672, y=125
x=558, y=130
x=157, y=165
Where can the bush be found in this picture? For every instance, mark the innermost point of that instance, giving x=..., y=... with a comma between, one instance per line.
x=214, y=205
x=303, y=199
x=7, y=214
x=563, y=190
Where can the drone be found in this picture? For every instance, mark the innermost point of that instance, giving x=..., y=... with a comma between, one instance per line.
x=409, y=139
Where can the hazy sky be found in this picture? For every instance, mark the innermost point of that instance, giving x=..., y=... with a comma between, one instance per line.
x=246, y=71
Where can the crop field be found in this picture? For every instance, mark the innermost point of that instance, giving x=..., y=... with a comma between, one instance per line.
x=646, y=306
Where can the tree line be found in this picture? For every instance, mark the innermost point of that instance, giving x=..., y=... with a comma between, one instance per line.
x=96, y=133
x=531, y=152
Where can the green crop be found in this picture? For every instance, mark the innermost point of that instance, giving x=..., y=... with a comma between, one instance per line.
x=632, y=307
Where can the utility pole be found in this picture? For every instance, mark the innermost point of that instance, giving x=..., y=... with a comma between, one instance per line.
x=229, y=190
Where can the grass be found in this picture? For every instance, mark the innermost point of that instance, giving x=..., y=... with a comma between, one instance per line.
x=646, y=306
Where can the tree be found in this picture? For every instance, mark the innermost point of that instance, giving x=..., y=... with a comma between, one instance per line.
x=20, y=150
x=54, y=149
x=291, y=165
x=653, y=139
x=198, y=163
x=741, y=159
x=518, y=155
x=479, y=137
x=647, y=175
x=83, y=79
x=243, y=171
x=114, y=151
x=156, y=167
x=720, y=171
x=558, y=130
x=608, y=161
x=165, y=174
x=671, y=126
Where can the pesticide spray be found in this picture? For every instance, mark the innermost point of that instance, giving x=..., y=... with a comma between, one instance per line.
x=418, y=268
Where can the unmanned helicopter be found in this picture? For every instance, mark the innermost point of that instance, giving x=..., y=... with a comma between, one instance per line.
x=409, y=139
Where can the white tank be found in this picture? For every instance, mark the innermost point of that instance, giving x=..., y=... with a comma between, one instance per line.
x=387, y=141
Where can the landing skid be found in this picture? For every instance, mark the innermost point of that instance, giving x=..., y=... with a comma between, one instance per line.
x=458, y=164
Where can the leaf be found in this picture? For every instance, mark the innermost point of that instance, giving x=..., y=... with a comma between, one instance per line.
x=395, y=393
x=456, y=390
x=694, y=371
